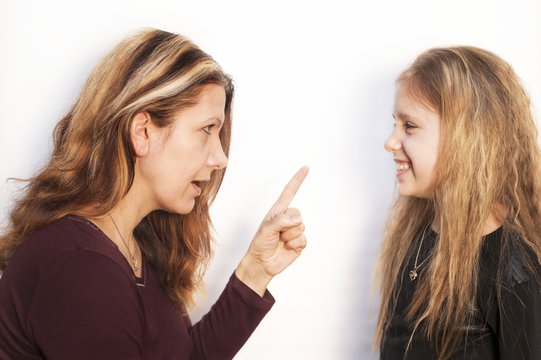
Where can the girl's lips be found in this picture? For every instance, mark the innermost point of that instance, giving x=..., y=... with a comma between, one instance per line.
x=401, y=172
x=402, y=167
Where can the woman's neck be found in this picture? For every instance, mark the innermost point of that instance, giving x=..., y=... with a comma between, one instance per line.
x=120, y=222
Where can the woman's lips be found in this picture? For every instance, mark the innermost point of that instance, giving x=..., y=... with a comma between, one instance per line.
x=196, y=186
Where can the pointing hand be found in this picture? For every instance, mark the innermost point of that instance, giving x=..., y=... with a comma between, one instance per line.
x=278, y=242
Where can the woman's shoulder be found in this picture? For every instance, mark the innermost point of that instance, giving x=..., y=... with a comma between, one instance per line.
x=68, y=236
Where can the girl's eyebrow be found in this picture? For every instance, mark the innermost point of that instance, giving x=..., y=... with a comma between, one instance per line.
x=404, y=117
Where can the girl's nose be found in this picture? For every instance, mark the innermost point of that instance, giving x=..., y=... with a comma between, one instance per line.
x=393, y=143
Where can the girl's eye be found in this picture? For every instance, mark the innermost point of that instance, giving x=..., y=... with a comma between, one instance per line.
x=207, y=128
x=409, y=125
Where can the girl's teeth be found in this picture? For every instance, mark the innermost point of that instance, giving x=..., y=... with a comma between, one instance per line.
x=402, y=166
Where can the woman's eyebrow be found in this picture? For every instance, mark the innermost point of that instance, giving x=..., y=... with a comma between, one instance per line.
x=218, y=118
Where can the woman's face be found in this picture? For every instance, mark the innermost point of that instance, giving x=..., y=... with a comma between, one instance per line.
x=414, y=144
x=182, y=157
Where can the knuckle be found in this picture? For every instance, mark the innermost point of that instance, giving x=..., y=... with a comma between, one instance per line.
x=293, y=211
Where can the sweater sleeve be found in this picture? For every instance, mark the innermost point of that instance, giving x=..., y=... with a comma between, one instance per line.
x=520, y=322
x=231, y=320
x=85, y=308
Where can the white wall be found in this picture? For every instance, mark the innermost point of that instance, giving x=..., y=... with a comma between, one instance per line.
x=314, y=86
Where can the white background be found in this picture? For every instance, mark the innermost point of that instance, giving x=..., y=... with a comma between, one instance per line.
x=314, y=85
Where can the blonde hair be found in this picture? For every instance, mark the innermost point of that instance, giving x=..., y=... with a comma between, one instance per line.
x=92, y=164
x=489, y=157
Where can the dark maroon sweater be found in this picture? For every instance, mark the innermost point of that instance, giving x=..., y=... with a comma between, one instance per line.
x=68, y=293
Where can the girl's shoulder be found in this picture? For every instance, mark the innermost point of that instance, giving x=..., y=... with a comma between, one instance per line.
x=507, y=259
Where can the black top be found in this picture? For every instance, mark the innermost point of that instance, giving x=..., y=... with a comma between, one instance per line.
x=510, y=331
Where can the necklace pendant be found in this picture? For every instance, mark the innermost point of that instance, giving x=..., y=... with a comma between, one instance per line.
x=413, y=274
x=135, y=265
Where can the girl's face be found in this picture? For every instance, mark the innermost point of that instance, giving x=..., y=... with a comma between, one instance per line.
x=182, y=157
x=414, y=144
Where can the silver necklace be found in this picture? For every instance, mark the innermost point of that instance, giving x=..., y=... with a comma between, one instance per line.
x=133, y=259
x=413, y=273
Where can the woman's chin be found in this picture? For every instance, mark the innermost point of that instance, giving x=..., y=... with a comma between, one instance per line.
x=181, y=209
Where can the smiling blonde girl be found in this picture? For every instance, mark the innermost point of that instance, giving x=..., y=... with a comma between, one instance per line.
x=459, y=270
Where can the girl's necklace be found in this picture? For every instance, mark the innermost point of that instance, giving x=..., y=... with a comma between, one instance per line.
x=413, y=273
x=133, y=259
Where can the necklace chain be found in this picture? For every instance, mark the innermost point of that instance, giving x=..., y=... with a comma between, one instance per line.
x=133, y=258
x=413, y=273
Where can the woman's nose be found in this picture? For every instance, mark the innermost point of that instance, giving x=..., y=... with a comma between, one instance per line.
x=217, y=159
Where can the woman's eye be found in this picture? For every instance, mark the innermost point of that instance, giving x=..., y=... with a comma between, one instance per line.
x=207, y=128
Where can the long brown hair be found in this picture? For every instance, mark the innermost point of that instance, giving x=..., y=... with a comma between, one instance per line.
x=489, y=157
x=92, y=164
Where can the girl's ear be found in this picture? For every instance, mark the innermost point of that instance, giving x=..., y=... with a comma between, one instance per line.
x=139, y=131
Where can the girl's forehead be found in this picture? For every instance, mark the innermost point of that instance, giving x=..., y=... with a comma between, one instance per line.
x=408, y=106
x=414, y=90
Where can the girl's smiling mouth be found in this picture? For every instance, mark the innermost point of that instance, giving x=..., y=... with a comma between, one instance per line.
x=402, y=167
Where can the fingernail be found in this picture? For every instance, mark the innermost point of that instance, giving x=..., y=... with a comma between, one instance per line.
x=296, y=219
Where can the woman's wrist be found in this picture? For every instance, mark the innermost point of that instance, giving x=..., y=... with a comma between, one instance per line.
x=252, y=274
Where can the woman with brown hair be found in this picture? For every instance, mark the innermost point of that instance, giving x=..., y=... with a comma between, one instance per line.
x=109, y=241
x=459, y=270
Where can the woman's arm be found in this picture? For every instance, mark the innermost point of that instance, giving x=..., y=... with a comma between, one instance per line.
x=221, y=333
x=244, y=302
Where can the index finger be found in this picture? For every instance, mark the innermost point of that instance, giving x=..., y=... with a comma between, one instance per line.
x=289, y=192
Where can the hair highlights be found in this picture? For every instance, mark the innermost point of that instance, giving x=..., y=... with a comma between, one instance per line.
x=489, y=158
x=92, y=165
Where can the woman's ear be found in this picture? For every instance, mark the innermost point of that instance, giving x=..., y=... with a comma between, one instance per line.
x=139, y=131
